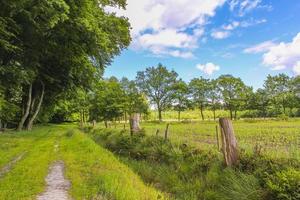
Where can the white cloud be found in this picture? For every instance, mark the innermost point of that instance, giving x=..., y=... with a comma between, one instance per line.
x=220, y=34
x=248, y=5
x=226, y=30
x=233, y=4
x=153, y=19
x=231, y=26
x=243, y=6
x=259, y=48
x=252, y=22
x=296, y=68
x=208, y=68
x=284, y=55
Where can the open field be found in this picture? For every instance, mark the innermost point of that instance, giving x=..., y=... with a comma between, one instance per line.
x=94, y=172
x=189, y=165
x=276, y=138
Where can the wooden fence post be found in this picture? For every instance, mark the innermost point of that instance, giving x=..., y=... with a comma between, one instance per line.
x=166, y=131
x=134, y=123
x=229, y=143
x=157, y=132
x=217, y=137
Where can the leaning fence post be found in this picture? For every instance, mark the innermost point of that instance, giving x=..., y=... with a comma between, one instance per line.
x=134, y=123
x=94, y=123
x=229, y=143
x=166, y=131
x=217, y=137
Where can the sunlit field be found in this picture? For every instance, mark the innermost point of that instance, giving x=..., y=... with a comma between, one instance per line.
x=275, y=138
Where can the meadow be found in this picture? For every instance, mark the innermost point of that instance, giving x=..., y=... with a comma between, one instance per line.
x=274, y=137
x=189, y=165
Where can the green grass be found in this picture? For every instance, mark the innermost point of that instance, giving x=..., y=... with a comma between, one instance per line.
x=26, y=178
x=93, y=171
x=277, y=138
x=188, y=173
x=195, y=114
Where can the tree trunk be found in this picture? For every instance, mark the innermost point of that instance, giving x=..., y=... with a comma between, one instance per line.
x=38, y=108
x=105, y=123
x=81, y=119
x=125, y=117
x=26, y=113
x=201, y=110
x=235, y=114
x=179, y=116
x=214, y=111
x=231, y=115
x=229, y=143
x=159, y=115
x=83, y=116
x=94, y=123
x=167, y=131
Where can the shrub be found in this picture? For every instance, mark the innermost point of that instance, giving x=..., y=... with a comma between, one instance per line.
x=285, y=185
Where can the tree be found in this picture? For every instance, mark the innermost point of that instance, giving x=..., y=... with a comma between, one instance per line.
x=294, y=95
x=107, y=101
x=135, y=101
x=213, y=96
x=279, y=90
x=157, y=83
x=180, y=97
x=57, y=46
x=260, y=101
x=199, y=88
x=233, y=92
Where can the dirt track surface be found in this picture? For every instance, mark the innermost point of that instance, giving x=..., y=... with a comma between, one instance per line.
x=57, y=185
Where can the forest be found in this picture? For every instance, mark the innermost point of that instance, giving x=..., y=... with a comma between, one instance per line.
x=69, y=132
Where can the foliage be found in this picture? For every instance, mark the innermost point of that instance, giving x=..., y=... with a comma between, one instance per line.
x=285, y=185
x=49, y=47
x=200, y=89
x=107, y=102
x=135, y=101
x=180, y=97
x=157, y=83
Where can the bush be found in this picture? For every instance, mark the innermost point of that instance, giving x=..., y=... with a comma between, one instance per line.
x=285, y=185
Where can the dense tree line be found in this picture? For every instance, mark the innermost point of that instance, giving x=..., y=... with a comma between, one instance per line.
x=48, y=48
x=279, y=95
x=161, y=89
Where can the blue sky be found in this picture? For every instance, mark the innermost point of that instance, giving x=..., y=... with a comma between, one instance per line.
x=246, y=38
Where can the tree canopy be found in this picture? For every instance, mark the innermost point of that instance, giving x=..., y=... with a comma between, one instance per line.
x=48, y=47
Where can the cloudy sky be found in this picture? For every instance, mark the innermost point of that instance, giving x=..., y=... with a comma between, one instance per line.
x=246, y=38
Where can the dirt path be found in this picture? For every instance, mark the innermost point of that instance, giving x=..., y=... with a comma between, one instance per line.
x=57, y=185
x=8, y=167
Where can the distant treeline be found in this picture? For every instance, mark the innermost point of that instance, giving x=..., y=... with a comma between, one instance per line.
x=157, y=87
x=163, y=90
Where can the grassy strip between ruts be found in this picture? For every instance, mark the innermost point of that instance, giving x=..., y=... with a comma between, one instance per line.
x=96, y=174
